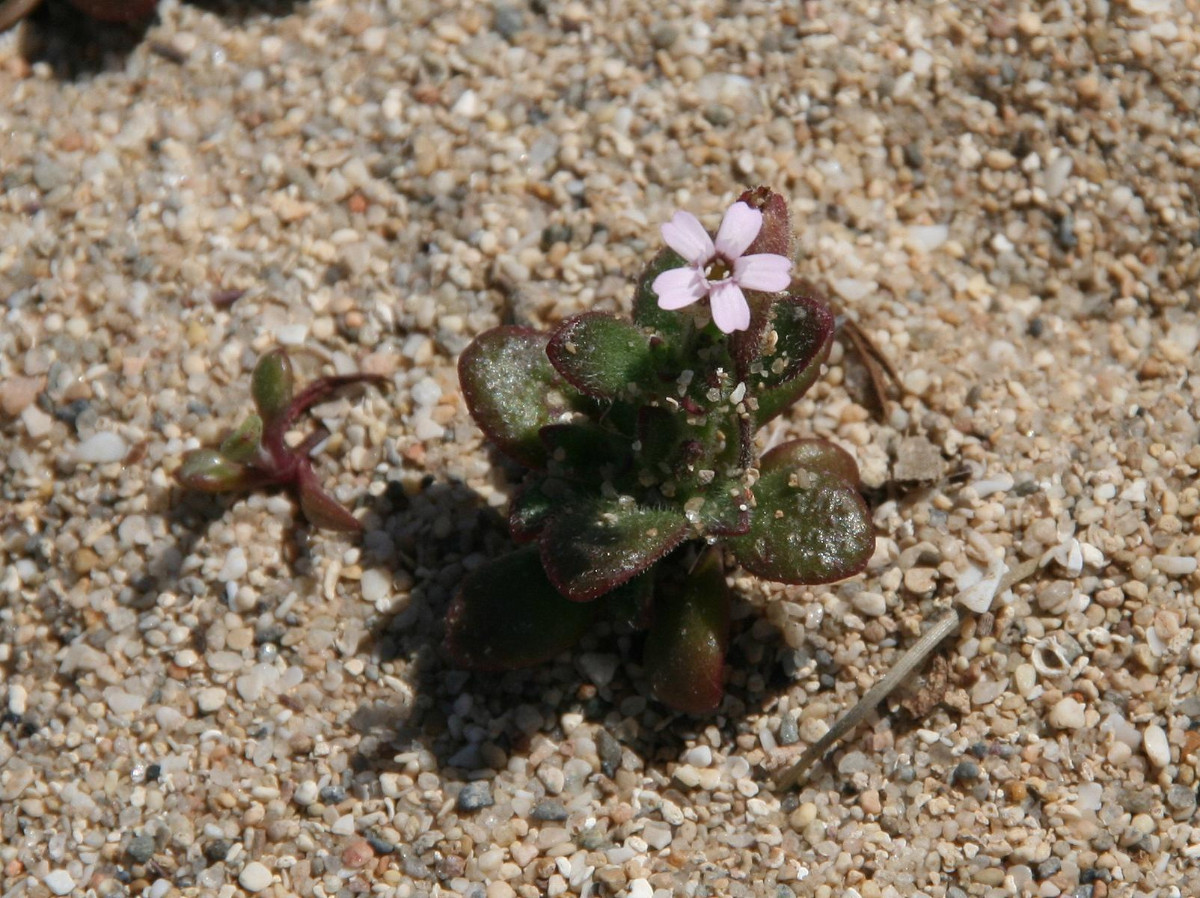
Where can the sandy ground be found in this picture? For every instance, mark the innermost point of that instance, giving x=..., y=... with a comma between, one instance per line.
x=203, y=696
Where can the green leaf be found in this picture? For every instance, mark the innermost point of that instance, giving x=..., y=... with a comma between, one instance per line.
x=272, y=384
x=535, y=502
x=243, y=444
x=584, y=448
x=809, y=524
x=597, y=543
x=629, y=604
x=685, y=649
x=791, y=359
x=507, y=615
x=726, y=509
x=813, y=455
x=670, y=326
x=208, y=471
x=603, y=356
x=512, y=391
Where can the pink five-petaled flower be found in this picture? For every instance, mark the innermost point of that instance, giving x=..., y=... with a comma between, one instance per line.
x=719, y=270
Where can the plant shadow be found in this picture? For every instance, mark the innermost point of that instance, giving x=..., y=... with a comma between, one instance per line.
x=77, y=46
x=467, y=725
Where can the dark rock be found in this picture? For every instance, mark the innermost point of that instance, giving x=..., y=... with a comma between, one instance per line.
x=140, y=848
x=475, y=796
x=548, y=809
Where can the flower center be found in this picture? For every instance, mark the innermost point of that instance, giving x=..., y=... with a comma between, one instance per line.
x=716, y=270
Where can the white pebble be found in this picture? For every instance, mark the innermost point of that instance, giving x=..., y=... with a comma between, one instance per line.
x=37, y=422
x=306, y=793
x=853, y=289
x=225, y=661
x=927, y=238
x=1056, y=175
x=210, y=699
x=292, y=334
x=254, y=877
x=699, y=756
x=1068, y=714
x=657, y=835
x=1154, y=742
x=374, y=584
x=374, y=39
x=101, y=448
x=160, y=889
x=426, y=391
x=428, y=429
x=467, y=105
x=1088, y=797
x=1175, y=565
x=59, y=882
x=122, y=702
x=17, y=699
x=343, y=826
x=640, y=888
x=978, y=596
x=872, y=604
x=235, y=565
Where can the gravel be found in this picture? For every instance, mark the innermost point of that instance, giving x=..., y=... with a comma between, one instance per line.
x=1002, y=200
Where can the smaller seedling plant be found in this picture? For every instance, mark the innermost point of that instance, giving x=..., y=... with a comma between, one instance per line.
x=644, y=479
x=257, y=456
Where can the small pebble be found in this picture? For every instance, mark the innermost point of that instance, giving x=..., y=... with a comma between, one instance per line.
x=210, y=699
x=101, y=448
x=357, y=854
x=548, y=810
x=1067, y=714
x=255, y=877
x=475, y=795
x=1158, y=749
x=140, y=848
x=59, y=882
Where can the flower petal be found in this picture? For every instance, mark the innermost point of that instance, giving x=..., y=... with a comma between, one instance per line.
x=739, y=227
x=679, y=287
x=763, y=271
x=687, y=236
x=730, y=310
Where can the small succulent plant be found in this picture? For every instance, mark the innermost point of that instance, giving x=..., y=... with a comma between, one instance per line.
x=256, y=454
x=12, y=11
x=644, y=475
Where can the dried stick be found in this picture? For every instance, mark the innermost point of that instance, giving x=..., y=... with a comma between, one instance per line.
x=908, y=662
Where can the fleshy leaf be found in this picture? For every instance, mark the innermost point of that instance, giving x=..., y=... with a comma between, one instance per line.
x=685, y=649
x=535, y=502
x=513, y=391
x=629, y=604
x=669, y=325
x=602, y=355
x=243, y=444
x=809, y=524
x=507, y=615
x=814, y=455
x=320, y=508
x=583, y=448
x=726, y=510
x=597, y=543
x=272, y=385
x=803, y=333
x=208, y=471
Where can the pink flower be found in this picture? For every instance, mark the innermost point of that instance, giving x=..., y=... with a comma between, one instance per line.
x=719, y=270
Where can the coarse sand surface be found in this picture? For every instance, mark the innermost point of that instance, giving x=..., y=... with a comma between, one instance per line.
x=205, y=697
